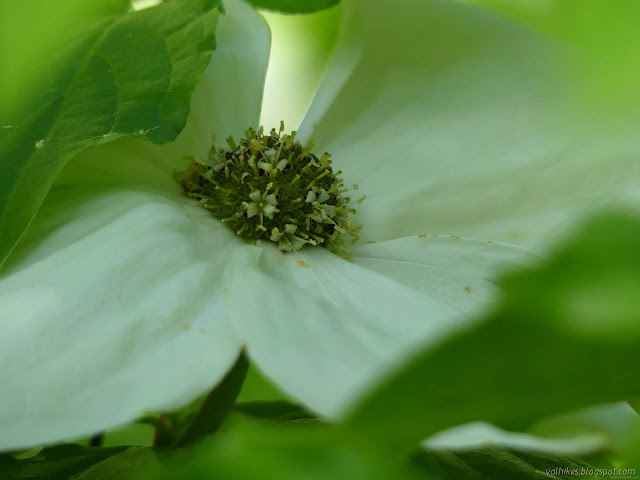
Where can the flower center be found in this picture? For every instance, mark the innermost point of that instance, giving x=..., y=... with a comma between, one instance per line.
x=271, y=187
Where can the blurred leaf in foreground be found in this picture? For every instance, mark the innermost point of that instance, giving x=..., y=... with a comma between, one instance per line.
x=62, y=461
x=499, y=464
x=251, y=450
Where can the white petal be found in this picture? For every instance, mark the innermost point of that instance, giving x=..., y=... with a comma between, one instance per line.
x=111, y=304
x=484, y=435
x=324, y=328
x=459, y=271
x=455, y=121
x=600, y=427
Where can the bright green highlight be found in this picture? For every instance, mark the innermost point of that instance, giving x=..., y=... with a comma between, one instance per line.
x=294, y=6
x=271, y=187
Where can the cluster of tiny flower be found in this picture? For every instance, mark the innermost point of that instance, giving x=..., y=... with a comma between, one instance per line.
x=271, y=187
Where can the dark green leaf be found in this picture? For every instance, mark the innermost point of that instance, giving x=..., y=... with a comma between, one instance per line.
x=133, y=74
x=59, y=462
x=294, y=6
x=567, y=335
x=128, y=462
x=501, y=464
x=279, y=411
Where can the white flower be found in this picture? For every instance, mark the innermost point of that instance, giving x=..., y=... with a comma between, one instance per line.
x=125, y=296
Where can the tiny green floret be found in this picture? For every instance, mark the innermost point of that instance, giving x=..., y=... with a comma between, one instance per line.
x=271, y=187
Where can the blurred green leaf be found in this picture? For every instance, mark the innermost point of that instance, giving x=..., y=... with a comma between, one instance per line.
x=500, y=464
x=294, y=6
x=566, y=335
x=258, y=388
x=632, y=453
x=132, y=434
x=130, y=75
x=278, y=411
x=251, y=450
x=607, y=33
x=121, y=465
x=31, y=35
x=58, y=462
x=301, y=48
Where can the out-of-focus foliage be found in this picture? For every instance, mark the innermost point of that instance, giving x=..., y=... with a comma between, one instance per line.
x=566, y=335
x=294, y=6
x=606, y=31
x=32, y=36
x=252, y=450
x=257, y=387
x=131, y=73
x=632, y=453
x=301, y=46
x=58, y=462
x=497, y=464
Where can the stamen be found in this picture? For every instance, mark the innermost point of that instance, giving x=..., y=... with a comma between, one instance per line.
x=274, y=188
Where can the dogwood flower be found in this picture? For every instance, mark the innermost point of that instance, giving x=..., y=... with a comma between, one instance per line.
x=126, y=296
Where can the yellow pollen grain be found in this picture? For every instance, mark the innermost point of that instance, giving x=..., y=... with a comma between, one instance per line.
x=302, y=264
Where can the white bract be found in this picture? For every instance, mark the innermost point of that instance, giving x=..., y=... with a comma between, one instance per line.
x=125, y=296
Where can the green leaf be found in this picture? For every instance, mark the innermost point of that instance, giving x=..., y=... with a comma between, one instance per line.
x=294, y=6
x=128, y=462
x=30, y=55
x=632, y=453
x=131, y=75
x=277, y=411
x=500, y=464
x=567, y=335
x=258, y=388
x=58, y=462
x=251, y=450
